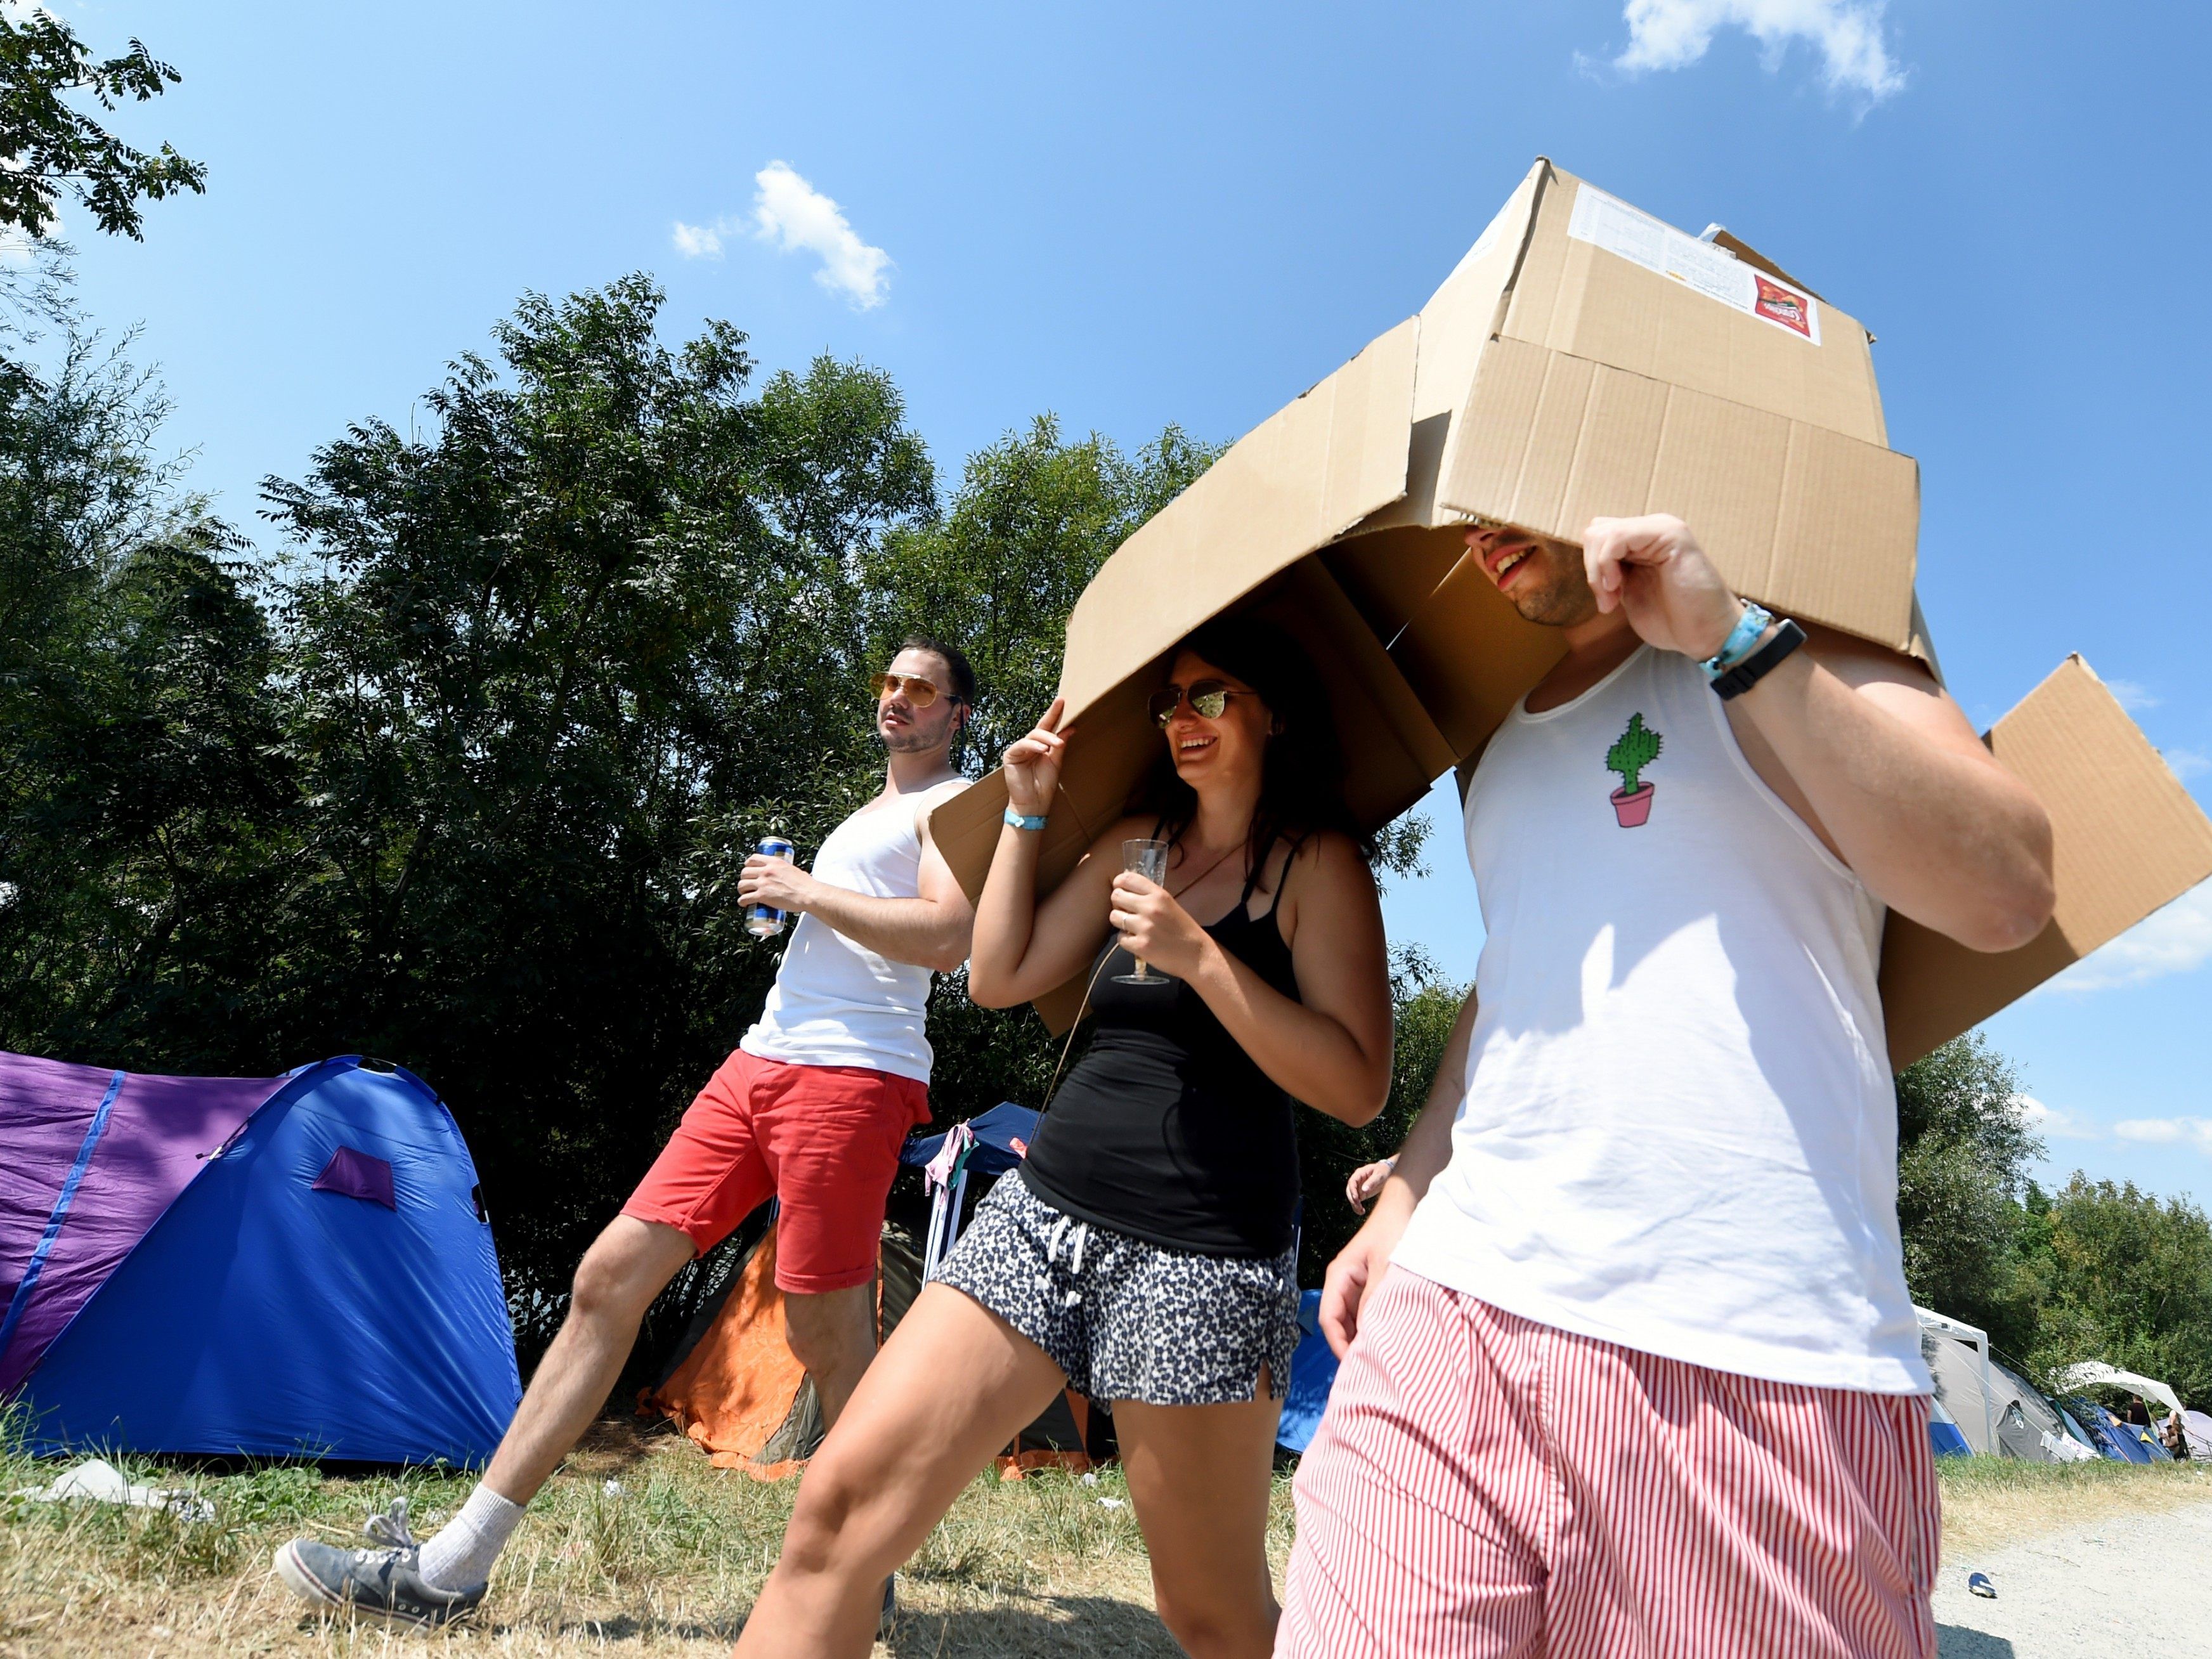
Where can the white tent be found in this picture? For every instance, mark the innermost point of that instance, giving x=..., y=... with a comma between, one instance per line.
x=1996, y=1411
x=2197, y=1427
x=2095, y=1371
x=1962, y=1384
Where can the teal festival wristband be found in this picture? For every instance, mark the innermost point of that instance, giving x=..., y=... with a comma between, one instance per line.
x=1024, y=821
x=1755, y=620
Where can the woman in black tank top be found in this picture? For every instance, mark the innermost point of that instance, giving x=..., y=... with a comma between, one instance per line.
x=1145, y=1255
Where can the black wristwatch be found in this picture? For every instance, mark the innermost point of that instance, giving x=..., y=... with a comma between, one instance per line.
x=1760, y=663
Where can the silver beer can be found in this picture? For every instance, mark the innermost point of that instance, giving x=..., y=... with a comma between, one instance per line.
x=765, y=921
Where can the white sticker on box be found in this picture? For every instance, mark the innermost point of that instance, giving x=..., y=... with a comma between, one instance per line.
x=1605, y=222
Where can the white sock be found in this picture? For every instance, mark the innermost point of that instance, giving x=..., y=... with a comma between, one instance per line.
x=460, y=1555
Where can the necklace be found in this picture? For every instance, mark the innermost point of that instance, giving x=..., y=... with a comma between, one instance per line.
x=1177, y=892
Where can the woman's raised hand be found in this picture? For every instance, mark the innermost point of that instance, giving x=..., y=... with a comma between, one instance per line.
x=1032, y=763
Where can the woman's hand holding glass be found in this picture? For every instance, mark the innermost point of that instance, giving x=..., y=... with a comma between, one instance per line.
x=1032, y=764
x=1154, y=927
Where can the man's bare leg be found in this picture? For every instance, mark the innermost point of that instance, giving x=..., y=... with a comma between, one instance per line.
x=833, y=1334
x=627, y=1266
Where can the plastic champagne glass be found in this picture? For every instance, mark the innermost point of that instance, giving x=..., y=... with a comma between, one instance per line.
x=1148, y=859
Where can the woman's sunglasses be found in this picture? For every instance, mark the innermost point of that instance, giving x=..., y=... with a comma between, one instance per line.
x=1207, y=699
x=919, y=692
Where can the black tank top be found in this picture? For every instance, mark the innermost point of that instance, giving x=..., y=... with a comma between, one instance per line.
x=1165, y=1129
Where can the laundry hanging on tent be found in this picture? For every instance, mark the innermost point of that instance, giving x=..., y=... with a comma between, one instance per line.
x=295, y=1266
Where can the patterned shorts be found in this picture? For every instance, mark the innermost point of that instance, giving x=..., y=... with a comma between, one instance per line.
x=1124, y=1319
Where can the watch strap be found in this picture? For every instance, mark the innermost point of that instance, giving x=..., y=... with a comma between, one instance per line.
x=1755, y=620
x=1760, y=663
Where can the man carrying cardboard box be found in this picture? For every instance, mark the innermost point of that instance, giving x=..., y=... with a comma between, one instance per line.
x=1630, y=1366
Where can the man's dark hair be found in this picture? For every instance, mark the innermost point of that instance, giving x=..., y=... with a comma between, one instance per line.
x=963, y=677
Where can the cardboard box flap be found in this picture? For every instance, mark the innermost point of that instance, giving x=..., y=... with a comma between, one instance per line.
x=1819, y=526
x=1311, y=470
x=2127, y=839
x=1606, y=281
x=1751, y=256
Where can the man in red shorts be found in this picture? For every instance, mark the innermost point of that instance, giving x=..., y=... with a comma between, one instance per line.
x=1630, y=1368
x=810, y=1109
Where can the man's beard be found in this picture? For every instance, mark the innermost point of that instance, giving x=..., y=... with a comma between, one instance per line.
x=1560, y=604
x=912, y=741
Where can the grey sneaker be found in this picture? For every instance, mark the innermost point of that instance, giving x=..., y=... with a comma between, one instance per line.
x=383, y=1583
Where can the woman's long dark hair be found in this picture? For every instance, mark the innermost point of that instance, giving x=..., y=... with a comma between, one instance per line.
x=1301, y=769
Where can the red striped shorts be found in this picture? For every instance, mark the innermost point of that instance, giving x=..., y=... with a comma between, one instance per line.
x=1485, y=1487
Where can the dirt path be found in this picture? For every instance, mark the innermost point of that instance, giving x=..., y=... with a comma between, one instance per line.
x=2119, y=1588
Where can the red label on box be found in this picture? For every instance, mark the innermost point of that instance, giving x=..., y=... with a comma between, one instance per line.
x=1784, y=305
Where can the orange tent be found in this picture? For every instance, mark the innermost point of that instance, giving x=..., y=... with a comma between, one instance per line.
x=735, y=1387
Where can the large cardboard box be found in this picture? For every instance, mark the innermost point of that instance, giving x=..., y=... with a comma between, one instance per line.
x=1583, y=359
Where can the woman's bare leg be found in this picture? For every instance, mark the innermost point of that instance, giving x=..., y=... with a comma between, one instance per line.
x=954, y=1384
x=1199, y=1476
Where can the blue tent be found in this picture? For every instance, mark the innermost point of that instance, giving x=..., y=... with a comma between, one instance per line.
x=1943, y=1431
x=2111, y=1437
x=321, y=1283
x=1313, y=1373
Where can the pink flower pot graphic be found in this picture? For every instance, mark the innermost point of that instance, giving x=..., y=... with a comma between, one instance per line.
x=1634, y=750
x=1633, y=810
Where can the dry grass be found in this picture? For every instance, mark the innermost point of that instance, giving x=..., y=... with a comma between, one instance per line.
x=667, y=1565
x=670, y=1563
x=1989, y=1502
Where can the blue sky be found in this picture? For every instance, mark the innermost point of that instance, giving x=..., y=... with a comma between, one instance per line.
x=1139, y=214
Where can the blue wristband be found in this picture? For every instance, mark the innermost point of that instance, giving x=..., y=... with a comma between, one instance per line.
x=1023, y=821
x=1755, y=620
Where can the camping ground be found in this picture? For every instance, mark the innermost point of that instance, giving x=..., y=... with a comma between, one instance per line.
x=641, y=1546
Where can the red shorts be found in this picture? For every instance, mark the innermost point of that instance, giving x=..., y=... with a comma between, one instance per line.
x=823, y=1140
x=1485, y=1487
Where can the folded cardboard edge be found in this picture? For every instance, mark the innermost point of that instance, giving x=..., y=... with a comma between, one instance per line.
x=1318, y=465
x=2127, y=839
x=1824, y=526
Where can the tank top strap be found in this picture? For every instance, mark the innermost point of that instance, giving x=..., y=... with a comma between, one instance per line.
x=1284, y=880
x=1252, y=876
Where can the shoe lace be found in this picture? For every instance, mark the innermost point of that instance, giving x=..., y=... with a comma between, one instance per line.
x=391, y=1528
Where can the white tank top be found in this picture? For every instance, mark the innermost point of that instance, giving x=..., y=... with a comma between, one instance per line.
x=1680, y=1131
x=836, y=1003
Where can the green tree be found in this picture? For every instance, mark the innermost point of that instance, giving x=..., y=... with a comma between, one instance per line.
x=1964, y=1150
x=47, y=146
x=2125, y=1277
x=552, y=668
x=137, y=778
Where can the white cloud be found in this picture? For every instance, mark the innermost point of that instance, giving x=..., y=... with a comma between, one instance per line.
x=2053, y=1122
x=2174, y=940
x=2188, y=763
x=2132, y=694
x=2168, y=1131
x=1668, y=35
x=788, y=210
x=699, y=241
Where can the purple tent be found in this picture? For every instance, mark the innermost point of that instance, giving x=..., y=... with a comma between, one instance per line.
x=106, y=1153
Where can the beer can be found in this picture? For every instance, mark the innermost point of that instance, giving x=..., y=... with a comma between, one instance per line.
x=765, y=921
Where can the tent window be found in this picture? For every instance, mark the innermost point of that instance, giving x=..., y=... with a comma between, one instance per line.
x=358, y=1174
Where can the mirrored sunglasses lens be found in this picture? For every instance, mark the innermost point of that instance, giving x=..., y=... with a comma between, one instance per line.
x=1210, y=701
x=1162, y=704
